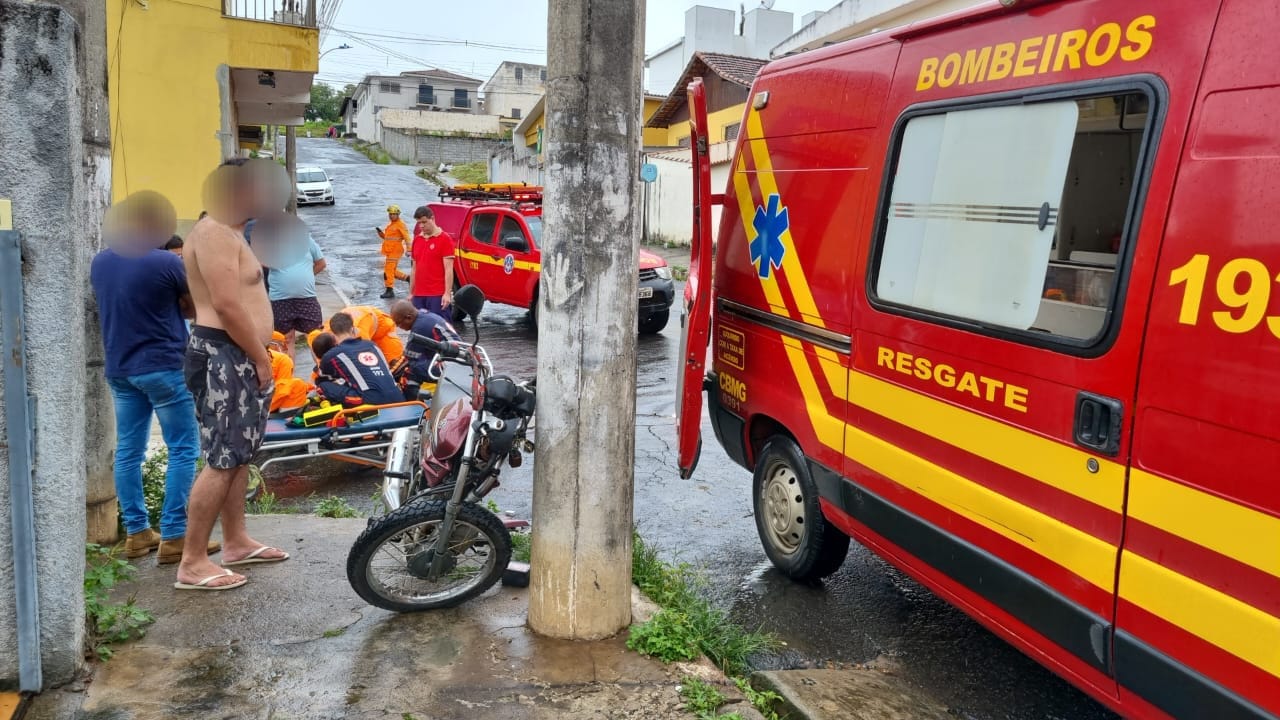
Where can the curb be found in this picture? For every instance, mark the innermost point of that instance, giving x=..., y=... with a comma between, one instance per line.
x=847, y=695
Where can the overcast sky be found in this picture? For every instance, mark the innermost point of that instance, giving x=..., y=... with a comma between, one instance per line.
x=413, y=34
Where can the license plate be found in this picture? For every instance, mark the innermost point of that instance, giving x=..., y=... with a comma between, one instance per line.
x=646, y=292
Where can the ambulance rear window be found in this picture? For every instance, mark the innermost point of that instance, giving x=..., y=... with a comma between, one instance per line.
x=1012, y=216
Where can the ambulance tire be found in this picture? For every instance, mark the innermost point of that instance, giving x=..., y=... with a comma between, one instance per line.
x=796, y=536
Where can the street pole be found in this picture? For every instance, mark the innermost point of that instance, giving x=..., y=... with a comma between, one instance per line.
x=291, y=164
x=584, y=470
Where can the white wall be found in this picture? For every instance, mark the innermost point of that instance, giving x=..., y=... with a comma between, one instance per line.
x=668, y=201
x=507, y=166
x=708, y=29
x=503, y=93
x=439, y=121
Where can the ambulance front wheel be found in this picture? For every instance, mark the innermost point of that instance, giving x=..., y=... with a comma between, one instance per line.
x=797, y=538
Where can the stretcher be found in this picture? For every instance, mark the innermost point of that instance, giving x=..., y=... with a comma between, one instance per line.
x=363, y=442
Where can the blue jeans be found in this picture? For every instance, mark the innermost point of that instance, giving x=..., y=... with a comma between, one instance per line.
x=136, y=397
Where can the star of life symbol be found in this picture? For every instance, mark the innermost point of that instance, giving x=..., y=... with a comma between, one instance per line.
x=766, y=247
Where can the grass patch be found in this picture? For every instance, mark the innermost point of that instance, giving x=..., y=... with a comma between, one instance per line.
x=335, y=632
x=688, y=624
x=335, y=507
x=108, y=623
x=520, y=546
x=374, y=152
x=472, y=172
x=266, y=504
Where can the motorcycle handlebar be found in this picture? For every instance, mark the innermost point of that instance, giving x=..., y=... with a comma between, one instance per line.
x=446, y=350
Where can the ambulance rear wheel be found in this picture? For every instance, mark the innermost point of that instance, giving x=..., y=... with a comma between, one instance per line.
x=796, y=536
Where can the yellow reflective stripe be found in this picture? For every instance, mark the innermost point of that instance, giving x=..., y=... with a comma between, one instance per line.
x=489, y=260
x=1077, y=551
x=837, y=374
x=1021, y=451
x=1073, y=549
x=747, y=209
x=826, y=428
x=1217, y=618
x=769, y=186
x=1239, y=532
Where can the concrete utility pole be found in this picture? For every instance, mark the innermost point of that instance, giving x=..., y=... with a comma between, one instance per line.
x=56, y=170
x=583, y=476
x=291, y=165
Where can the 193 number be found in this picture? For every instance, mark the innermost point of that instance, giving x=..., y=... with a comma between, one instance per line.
x=1243, y=285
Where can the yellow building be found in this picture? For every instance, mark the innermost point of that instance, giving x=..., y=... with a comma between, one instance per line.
x=727, y=79
x=191, y=82
x=530, y=129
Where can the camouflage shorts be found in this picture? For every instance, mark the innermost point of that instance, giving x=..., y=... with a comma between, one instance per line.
x=230, y=407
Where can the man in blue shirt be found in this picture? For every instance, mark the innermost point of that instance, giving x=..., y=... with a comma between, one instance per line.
x=142, y=297
x=424, y=323
x=354, y=372
x=294, y=306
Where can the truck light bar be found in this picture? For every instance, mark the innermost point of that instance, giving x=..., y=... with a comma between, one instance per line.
x=509, y=192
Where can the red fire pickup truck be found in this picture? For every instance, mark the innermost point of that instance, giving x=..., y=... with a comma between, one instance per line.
x=498, y=230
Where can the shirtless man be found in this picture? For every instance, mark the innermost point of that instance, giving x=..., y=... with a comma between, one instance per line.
x=228, y=370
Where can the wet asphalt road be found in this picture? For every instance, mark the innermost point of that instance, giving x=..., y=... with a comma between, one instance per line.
x=868, y=612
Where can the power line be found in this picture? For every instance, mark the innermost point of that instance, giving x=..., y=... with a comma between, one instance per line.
x=428, y=40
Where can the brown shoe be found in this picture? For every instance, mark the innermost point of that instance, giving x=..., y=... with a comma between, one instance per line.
x=139, y=544
x=171, y=550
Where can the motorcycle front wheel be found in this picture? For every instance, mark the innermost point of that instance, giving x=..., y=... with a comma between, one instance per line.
x=389, y=564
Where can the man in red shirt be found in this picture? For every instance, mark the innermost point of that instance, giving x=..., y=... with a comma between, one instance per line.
x=432, y=253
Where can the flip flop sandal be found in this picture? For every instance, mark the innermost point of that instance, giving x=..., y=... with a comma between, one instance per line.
x=203, y=583
x=254, y=559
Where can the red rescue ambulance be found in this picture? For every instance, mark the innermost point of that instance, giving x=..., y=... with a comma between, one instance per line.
x=997, y=295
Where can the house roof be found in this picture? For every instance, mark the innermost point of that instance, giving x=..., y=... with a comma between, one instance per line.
x=531, y=117
x=443, y=75
x=734, y=68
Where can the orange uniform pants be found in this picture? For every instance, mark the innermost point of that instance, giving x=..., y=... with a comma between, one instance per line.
x=391, y=272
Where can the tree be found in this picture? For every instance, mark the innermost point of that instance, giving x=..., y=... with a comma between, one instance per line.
x=325, y=103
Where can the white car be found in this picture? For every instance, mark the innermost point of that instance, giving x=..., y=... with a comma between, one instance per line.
x=314, y=187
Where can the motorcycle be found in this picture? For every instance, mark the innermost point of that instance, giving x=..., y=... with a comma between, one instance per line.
x=438, y=546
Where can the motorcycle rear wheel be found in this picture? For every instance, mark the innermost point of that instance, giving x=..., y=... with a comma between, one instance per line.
x=387, y=563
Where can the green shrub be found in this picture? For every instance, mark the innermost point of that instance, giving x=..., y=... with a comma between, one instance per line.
x=108, y=623
x=700, y=698
x=153, y=471
x=266, y=504
x=669, y=636
x=688, y=624
x=335, y=507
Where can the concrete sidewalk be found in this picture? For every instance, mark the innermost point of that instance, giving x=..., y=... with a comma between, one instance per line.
x=297, y=642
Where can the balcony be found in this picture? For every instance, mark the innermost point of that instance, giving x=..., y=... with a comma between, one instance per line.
x=426, y=99
x=299, y=13
x=461, y=102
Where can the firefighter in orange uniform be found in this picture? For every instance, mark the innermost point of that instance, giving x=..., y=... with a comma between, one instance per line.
x=395, y=242
x=290, y=392
x=375, y=325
